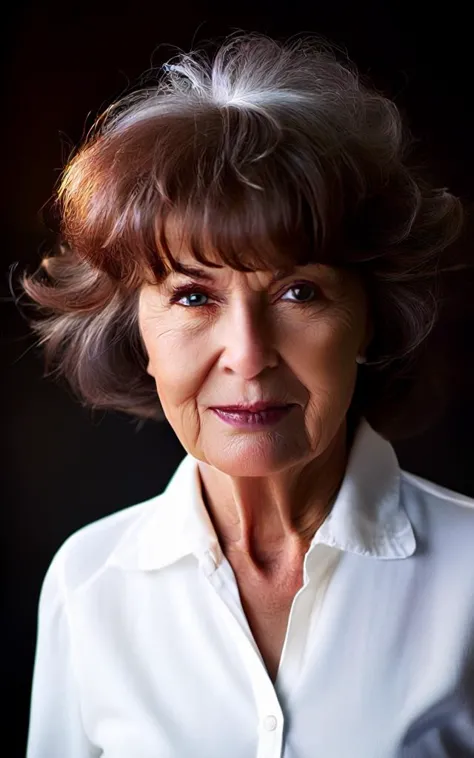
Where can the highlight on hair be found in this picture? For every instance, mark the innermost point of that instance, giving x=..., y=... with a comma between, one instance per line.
x=267, y=154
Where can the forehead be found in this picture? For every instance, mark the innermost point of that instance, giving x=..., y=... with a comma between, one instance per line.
x=187, y=264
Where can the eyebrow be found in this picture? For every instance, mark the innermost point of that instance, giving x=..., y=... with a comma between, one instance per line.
x=204, y=275
x=329, y=276
x=194, y=271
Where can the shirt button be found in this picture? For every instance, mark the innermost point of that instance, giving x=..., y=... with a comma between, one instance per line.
x=270, y=723
x=208, y=564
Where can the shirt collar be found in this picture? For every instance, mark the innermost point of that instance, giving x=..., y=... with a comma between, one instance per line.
x=367, y=517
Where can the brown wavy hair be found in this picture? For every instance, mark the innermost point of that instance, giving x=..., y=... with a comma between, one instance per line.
x=268, y=154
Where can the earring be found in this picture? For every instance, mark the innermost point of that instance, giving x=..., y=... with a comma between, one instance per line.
x=361, y=359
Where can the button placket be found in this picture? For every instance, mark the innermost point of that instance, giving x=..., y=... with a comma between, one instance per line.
x=270, y=743
x=306, y=606
x=269, y=713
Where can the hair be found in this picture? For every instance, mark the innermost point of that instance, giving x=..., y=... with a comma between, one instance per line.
x=268, y=154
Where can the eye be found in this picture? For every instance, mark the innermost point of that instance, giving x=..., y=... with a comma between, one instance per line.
x=305, y=292
x=193, y=298
x=191, y=294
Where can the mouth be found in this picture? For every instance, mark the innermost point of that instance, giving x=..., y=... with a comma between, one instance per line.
x=253, y=420
x=252, y=408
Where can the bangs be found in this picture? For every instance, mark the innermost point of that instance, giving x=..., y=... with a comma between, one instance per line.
x=241, y=227
x=226, y=187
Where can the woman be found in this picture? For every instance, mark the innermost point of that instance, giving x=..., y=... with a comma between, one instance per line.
x=247, y=254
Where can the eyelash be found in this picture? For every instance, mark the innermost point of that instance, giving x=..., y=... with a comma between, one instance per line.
x=191, y=289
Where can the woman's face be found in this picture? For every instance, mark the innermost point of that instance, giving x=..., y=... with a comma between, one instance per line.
x=239, y=338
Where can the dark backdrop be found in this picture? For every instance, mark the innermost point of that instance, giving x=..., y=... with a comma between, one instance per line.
x=64, y=466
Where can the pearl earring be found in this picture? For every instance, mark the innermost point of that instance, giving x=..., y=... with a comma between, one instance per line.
x=361, y=359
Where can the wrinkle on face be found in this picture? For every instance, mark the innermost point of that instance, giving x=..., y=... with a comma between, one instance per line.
x=269, y=488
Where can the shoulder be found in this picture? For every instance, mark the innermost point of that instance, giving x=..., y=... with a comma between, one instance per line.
x=436, y=492
x=86, y=552
x=439, y=515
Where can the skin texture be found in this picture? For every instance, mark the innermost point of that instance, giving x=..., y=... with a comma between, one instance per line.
x=243, y=337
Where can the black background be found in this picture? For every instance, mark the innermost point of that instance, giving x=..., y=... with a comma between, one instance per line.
x=64, y=466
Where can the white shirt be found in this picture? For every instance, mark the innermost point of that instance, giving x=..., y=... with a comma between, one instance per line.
x=144, y=651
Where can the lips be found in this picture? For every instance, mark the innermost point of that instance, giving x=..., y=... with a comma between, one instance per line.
x=253, y=408
x=254, y=421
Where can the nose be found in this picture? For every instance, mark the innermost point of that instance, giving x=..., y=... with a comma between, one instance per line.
x=248, y=343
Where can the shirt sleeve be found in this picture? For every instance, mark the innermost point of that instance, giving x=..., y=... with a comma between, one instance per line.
x=55, y=724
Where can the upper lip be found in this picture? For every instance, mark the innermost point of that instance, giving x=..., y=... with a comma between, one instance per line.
x=252, y=407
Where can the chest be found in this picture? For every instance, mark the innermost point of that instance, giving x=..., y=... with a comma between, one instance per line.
x=168, y=677
x=267, y=606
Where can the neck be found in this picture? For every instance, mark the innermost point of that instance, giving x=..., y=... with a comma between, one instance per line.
x=271, y=520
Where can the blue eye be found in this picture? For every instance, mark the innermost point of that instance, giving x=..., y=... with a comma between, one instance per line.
x=304, y=288
x=305, y=293
x=191, y=297
x=190, y=293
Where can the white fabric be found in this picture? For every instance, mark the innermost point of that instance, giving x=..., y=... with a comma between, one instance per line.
x=144, y=650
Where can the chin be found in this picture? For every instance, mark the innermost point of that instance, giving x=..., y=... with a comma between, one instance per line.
x=255, y=455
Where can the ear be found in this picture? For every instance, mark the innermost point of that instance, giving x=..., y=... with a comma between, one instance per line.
x=149, y=371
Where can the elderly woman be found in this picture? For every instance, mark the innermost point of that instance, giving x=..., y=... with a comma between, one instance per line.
x=247, y=254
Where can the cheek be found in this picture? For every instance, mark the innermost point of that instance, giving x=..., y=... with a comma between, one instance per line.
x=177, y=362
x=324, y=362
x=324, y=354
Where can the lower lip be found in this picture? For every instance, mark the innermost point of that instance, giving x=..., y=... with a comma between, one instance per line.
x=254, y=421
